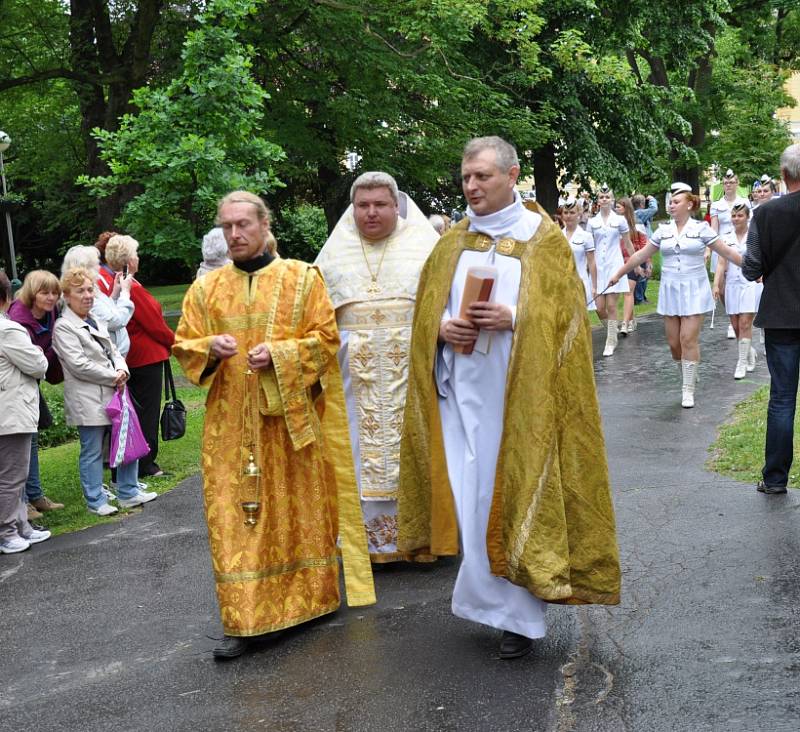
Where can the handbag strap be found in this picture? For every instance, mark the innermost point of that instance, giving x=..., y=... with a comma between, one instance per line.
x=169, y=383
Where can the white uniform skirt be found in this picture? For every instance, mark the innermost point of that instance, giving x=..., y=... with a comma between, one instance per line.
x=684, y=296
x=742, y=297
x=606, y=267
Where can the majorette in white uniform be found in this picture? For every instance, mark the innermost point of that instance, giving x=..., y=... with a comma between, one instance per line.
x=741, y=295
x=581, y=242
x=608, y=250
x=684, y=280
x=722, y=210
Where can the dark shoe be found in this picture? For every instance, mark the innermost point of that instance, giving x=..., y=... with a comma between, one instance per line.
x=762, y=487
x=514, y=645
x=230, y=647
x=44, y=504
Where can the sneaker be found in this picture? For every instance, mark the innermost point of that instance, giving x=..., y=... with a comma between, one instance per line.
x=33, y=514
x=137, y=500
x=13, y=545
x=141, y=485
x=623, y=328
x=108, y=493
x=45, y=504
x=104, y=510
x=36, y=537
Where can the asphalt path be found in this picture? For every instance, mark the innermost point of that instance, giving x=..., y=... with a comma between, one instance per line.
x=110, y=628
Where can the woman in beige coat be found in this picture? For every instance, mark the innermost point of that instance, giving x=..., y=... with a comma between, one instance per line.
x=93, y=369
x=21, y=364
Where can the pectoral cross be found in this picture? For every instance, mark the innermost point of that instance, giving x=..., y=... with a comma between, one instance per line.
x=374, y=287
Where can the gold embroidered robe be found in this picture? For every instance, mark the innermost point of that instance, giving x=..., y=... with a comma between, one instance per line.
x=283, y=571
x=376, y=335
x=551, y=526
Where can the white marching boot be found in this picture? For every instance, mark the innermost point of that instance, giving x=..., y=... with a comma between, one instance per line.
x=611, y=337
x=744, y=355
x=689, y=370
x=751, y=359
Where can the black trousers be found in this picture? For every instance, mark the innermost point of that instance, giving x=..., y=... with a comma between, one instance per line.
x=145, y=384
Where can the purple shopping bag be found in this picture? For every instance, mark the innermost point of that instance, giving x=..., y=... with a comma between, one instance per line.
x=127, y=441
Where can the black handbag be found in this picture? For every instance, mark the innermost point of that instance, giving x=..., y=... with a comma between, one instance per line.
x=173, y=416
x=45, y=416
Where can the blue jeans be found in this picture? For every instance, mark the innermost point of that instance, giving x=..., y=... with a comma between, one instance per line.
x=640, y=290
x=33, y=485
x=90, y=467
x=783, y=360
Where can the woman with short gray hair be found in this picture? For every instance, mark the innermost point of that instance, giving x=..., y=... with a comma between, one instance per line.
x=151, y=341
x=115, y=310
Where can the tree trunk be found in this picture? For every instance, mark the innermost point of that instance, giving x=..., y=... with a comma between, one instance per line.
x=106, y=80
x=546, y=173
x=334, y=193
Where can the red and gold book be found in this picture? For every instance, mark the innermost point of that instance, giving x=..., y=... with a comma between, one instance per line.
x=478, y=287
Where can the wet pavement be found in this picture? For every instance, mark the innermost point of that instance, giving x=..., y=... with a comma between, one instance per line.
x=110, y=628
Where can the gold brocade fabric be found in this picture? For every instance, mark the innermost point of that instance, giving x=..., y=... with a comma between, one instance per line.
x=284, y=570
x=551, y=527
x=379, y=334
x=377, y=316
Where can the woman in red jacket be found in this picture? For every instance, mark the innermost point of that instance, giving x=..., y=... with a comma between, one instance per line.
x=151, y=340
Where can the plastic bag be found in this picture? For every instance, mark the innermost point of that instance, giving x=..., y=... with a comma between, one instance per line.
x=127, y=440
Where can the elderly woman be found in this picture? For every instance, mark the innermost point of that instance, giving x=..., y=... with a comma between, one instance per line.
x=215, y=252
x=93, y=368
x=151, y=341
x=115, y=310
x=21, y=364
x=35, y=310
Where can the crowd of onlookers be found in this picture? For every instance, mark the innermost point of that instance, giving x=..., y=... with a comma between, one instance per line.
x=95, y=329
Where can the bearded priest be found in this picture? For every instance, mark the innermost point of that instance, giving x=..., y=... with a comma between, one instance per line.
x=279, y=489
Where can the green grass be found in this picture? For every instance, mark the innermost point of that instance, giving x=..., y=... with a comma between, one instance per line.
x=739, y=449
x=170, y=296
x=180, y=458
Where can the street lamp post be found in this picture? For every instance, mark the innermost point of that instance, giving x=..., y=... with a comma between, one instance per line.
x=5, y=141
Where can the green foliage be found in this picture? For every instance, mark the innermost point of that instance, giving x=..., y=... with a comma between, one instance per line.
x=59, y=432
x=746, y=91
x=192, y=141
x=301, y=232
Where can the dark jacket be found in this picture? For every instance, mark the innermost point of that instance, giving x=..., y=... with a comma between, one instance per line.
x=41, y=335
x=773, y=251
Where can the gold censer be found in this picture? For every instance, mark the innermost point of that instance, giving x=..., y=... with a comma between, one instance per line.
x=251, y=473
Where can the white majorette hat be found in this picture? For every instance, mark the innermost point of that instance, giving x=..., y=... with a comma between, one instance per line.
x=677, y=188
x=729, y=174
x=604, y=188
x=569, y=204
x=765, y=179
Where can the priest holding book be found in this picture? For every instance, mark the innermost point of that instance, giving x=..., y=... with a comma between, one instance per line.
x=502, y=453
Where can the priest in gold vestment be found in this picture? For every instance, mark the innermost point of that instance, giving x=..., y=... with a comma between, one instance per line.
x=502, y=454
x=371, y=265
x=261, y=334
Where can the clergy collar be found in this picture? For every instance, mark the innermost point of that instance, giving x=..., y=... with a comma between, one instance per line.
x=500, y=222
x=251, y=265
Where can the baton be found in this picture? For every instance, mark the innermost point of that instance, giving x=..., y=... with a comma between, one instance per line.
x=602, y=292
x=713, y=313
